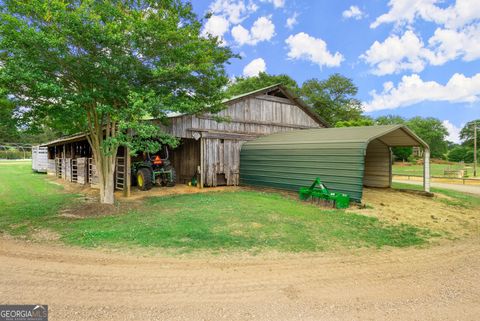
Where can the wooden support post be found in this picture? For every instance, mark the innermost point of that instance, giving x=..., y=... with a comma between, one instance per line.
x=426, y=170
x=128, y=174
x=202, y=164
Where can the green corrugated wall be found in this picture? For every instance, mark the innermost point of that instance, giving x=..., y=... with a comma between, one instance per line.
x=291, y=165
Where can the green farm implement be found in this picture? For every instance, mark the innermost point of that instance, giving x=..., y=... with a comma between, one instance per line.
x=319, y=193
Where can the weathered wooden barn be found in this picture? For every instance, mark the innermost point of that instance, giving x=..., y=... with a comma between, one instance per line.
x=209, y=144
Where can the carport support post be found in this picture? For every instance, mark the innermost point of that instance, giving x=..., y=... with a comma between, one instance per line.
x=426, y=170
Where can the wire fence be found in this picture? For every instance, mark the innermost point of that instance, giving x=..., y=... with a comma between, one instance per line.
x=15, y=151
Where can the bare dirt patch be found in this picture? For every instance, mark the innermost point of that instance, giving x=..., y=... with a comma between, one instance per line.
x=44, y=235
x=90, y=207
x=438, y=283
x=429, y=212
x=175, y=190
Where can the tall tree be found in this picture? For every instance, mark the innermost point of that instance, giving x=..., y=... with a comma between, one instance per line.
x=433, y=132
x=466, y=133
x=333, y=99
x=242, y=85
x=103, y=66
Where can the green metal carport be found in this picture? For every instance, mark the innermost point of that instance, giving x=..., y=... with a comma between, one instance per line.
x=346, y=159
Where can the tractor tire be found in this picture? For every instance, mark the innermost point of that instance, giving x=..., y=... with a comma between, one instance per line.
x=173, y=180
x=144, y=179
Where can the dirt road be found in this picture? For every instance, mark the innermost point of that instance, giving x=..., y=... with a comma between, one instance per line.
x=472, y=189
x=437, y=283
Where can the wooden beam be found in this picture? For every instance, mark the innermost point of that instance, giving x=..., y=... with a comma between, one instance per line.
x=225, y=135
x=426, y=170
x=256, y=122
x=202, y=165
x=128, y=174
x=276, y=99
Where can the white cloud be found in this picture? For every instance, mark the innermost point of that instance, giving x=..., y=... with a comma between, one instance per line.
x=453, y=132
x=306, y=47
x=412, y=89
x=235, y=11
x=396, y=54
x=276, y=3
x=263, y=29
x=216, y=26
x=353, y=12
x=292, y=21
x=406, y=11
x=409, y=52
x=448, y=44
x=255, y=67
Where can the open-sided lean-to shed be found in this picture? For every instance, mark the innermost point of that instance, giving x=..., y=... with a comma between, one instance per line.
x=345, y=159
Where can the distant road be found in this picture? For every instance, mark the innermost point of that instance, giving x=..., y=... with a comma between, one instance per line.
x=472, y=189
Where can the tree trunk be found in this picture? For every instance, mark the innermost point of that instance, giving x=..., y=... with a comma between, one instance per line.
x=101, y=130
x=105, y=170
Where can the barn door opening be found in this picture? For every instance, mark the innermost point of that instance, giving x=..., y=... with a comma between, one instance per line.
x=186, y=159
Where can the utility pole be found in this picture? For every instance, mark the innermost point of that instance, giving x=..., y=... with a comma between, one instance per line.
x=475, y=148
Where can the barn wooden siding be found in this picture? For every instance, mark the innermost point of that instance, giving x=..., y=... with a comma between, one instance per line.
x=220, y=137
x=377, y=165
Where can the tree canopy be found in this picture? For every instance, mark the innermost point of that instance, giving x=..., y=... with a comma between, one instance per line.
x=333, y=99
x=364, y=121
x=433, y=132
x=8, y=123
x=242, y=85
x=390, y=120
x=467, y=133
x=102, y=67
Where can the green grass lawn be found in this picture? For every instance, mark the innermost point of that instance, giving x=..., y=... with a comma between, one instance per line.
x=435, y=169
x=216, y=221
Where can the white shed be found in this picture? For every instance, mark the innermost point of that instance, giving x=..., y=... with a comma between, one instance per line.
x=39, y=159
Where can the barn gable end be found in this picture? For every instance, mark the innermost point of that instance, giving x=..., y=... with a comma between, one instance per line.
x=249, y=115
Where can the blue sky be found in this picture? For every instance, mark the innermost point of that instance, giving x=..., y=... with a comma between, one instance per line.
x=408, y=57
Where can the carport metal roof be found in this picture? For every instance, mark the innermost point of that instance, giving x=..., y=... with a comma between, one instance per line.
x=391, y=135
